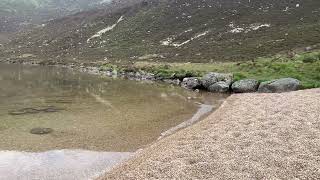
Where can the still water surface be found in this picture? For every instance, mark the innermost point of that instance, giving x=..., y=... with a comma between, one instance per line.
x=94, y=120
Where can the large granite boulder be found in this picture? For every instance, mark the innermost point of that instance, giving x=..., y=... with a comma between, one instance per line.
x=279, y=85
x=190, y=83
x=217, y=82
x=245, y=86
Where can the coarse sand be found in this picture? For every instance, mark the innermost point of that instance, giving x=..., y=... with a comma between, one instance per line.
x=251, y=136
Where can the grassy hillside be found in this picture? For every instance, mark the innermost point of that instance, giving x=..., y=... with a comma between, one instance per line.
x=176, y=31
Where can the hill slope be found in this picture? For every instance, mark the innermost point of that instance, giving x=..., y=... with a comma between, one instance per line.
x=15, y=14
x=179, y=31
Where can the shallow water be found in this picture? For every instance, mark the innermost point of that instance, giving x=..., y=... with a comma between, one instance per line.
x=57, y=164
x=87, y=112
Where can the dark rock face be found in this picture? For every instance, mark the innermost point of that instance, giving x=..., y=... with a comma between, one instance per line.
x=41, y=131
x=190, y=83
x=217, y=82
x=245, y=86
x=279, y=85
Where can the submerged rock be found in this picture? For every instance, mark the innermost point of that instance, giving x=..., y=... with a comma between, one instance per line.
x=245, y=86
x=23, y=111
x=190, y=83
x=217, y=82
x=41, y=131
x=279, y=85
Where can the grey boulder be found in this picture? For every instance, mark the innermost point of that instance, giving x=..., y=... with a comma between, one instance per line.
x=245, y=86
x=212, y=78
x=217, y=82
x=190, y=83
x=279, y=85
x=219, y=87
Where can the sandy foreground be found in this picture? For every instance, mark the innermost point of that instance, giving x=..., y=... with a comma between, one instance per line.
x=252, y=136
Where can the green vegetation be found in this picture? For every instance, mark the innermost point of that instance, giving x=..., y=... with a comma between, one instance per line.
x=304, y=67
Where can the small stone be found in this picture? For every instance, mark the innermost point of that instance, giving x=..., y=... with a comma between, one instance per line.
x=41, y=131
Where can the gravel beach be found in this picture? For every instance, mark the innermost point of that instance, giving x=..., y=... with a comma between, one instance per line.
x=251, y=136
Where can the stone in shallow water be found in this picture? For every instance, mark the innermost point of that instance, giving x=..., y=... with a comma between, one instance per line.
x=23, y=111
x=41, y=131
x=49, y=109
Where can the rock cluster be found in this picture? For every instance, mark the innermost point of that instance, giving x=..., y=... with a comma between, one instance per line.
x=222, y=83
x=212, y=81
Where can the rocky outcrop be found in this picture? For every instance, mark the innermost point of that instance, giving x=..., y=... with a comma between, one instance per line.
x=279, y=85
x=217, y=82
x=245, y=86
x=190, y=83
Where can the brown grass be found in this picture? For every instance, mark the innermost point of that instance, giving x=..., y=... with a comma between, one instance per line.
x=252, y=136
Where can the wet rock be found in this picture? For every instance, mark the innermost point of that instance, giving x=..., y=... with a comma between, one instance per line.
x=219, y=87
x=190, y=83
x=279, y=85
x=212, y=78
x=245, y=86
x=41, y=131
